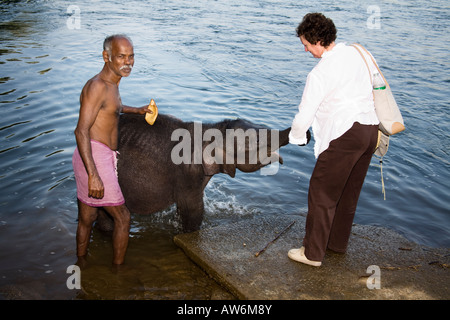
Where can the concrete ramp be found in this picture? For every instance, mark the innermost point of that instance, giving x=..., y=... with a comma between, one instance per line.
x=376, y=258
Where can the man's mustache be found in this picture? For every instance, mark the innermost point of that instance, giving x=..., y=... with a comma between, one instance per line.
x=129, y=66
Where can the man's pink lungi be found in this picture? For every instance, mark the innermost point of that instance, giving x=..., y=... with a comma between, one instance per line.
x=105, y=160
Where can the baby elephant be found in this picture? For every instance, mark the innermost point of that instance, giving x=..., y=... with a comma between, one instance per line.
x=173, y=161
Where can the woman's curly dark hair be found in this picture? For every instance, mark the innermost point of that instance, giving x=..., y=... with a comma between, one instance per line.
x=315, y=27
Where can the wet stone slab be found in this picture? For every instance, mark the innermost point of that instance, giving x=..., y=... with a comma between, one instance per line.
x=376, y=257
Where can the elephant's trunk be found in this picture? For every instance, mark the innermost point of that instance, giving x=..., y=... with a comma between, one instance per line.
x=284, y=137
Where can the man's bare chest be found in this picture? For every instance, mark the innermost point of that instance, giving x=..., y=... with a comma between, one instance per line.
x=112, y=102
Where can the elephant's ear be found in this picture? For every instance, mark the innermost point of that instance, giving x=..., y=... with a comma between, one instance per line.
x=211, y=167
x=229, y=169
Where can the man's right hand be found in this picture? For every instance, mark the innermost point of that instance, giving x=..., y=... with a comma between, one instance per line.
x=96, y=188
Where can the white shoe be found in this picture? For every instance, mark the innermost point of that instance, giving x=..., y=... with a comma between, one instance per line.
x=299, y=256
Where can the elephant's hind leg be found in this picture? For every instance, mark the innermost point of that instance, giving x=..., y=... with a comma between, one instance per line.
x=105, y=222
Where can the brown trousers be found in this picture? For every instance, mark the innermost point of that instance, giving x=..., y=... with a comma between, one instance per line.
x=334, y=189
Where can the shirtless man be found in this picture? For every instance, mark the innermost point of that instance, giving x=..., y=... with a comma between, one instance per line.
x=94, y=159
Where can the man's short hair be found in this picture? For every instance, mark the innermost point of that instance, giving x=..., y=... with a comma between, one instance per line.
x=315, y=28
x=107, y=44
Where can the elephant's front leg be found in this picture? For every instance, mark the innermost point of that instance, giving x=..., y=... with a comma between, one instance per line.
x=190, y=208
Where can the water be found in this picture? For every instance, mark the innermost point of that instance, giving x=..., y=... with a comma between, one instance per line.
x=203, y=61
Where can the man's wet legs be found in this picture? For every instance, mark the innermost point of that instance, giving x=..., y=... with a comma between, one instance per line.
x=86, y=218
x=88, y=215
x=121, y=216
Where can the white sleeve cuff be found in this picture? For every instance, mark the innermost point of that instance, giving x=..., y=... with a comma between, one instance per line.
x=296, y=140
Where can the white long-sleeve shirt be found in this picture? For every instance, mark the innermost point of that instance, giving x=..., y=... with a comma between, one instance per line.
x=338, y=93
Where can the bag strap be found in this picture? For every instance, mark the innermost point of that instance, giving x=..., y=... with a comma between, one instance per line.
x=365, y=61
x=357, y=46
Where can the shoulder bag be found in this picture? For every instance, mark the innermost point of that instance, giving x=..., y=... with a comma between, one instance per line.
x=386, y=108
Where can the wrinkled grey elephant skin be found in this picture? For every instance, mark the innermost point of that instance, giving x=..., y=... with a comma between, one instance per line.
x=151, y=181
